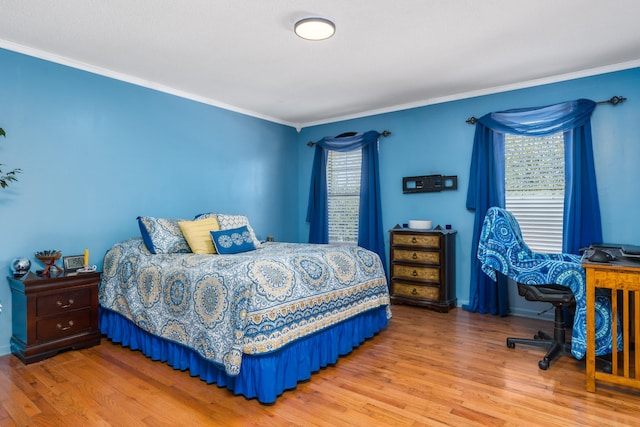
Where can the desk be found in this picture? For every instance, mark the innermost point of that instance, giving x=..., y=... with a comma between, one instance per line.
x=622, y=277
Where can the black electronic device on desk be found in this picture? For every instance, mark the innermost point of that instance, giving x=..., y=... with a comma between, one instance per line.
x=630, y=251
x=600, y=255
x=611, y=252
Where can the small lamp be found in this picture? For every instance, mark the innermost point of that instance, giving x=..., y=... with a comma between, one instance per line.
x=315, y=28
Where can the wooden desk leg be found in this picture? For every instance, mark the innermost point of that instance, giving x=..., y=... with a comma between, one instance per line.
x=591, y=331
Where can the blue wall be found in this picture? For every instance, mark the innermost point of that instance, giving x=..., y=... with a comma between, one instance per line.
x=96, y=153
x=436, y=140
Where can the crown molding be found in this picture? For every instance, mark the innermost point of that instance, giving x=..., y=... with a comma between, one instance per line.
x=62, y=60
x=481, y=92
x=5, y=44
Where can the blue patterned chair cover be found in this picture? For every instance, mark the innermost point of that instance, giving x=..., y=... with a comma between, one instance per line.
x=501, y=249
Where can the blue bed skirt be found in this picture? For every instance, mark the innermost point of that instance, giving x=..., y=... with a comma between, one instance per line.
x=265, y=376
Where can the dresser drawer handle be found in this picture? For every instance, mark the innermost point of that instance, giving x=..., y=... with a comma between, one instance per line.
x=414, y=291
x=415, y=273
x=67, y=305
x=65, y=328
x=414, y=240
x=414, y=256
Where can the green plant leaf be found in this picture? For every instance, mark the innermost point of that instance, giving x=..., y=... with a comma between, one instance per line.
x=8, y=176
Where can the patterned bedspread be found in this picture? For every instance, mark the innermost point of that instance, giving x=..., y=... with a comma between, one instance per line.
x=254, y=302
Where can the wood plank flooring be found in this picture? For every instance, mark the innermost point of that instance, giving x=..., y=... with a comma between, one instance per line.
x=425, y=369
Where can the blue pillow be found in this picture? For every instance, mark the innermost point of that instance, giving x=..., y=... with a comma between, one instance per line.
x=162, y=236
x=233, y=241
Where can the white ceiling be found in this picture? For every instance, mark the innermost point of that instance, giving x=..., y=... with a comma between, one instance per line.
x=386, y=55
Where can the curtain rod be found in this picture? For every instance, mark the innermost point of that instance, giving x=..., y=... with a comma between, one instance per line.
x=615, y=100
x=384, y=133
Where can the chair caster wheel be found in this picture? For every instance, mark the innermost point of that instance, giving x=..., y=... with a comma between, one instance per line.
x=511, y=344
x=543, y=364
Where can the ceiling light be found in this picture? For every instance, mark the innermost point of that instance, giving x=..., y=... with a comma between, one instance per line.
x=315, y=28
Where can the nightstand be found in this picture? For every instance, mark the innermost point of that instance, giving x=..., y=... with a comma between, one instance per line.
x=53, y=313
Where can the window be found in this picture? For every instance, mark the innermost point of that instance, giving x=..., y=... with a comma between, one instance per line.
x=343, y=185
x=534, y=188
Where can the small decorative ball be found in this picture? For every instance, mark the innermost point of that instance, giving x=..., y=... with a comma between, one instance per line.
x=20, y=266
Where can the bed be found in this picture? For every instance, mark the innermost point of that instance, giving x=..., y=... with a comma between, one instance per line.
x=255, y=322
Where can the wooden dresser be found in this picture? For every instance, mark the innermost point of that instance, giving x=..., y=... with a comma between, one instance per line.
x=51, y=314
x=423, y=268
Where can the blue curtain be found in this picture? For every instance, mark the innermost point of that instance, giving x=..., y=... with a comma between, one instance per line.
x=486, y=189
x=370, y=233
x=582, y=224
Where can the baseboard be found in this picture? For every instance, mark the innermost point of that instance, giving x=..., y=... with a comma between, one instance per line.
x=525, y=312
x=533, y=314
x=5, y=349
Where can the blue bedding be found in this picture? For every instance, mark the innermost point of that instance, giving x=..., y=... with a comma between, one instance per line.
x=253, y=303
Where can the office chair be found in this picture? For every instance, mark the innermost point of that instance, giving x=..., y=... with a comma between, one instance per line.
x=540, y=277
x=556, y=345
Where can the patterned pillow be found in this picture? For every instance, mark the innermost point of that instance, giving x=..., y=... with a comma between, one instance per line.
x=206, y=215
x=227, y=222
x=233, y=241
x=198, y=234
x=162, y=236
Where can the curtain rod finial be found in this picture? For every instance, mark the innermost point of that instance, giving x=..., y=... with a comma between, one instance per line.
x=615, y=100
x=472, y=120
x=385, y=133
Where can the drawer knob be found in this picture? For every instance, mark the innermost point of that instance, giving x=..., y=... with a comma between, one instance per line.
x=414, y=240
x=414, y=291
x=415, y=273
x=414, y=256
x=63, y=305
x=65, y=328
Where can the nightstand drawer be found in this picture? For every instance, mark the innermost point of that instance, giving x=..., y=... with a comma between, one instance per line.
x=63, y=325
x=417, y=256
x=416, y=291
x=418, y=240
x=429, y=274
x=63, y=302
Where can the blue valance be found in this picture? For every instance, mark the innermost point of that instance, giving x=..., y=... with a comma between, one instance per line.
x=540, y=121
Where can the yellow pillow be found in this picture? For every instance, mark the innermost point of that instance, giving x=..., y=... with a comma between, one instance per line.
x=198, y=234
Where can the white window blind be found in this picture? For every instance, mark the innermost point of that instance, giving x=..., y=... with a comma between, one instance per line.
x=343, y=185
x=534, y=188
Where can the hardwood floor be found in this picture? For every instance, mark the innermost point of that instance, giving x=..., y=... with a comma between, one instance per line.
x=425, y=369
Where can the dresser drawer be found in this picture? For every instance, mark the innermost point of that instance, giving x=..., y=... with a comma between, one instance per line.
x=416, y=291
x=63, y=302
x=417, y=256
x=63, y=325
x=417, y=240
x=429, y=274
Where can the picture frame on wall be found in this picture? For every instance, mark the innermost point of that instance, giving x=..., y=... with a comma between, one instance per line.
x=73, y=263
